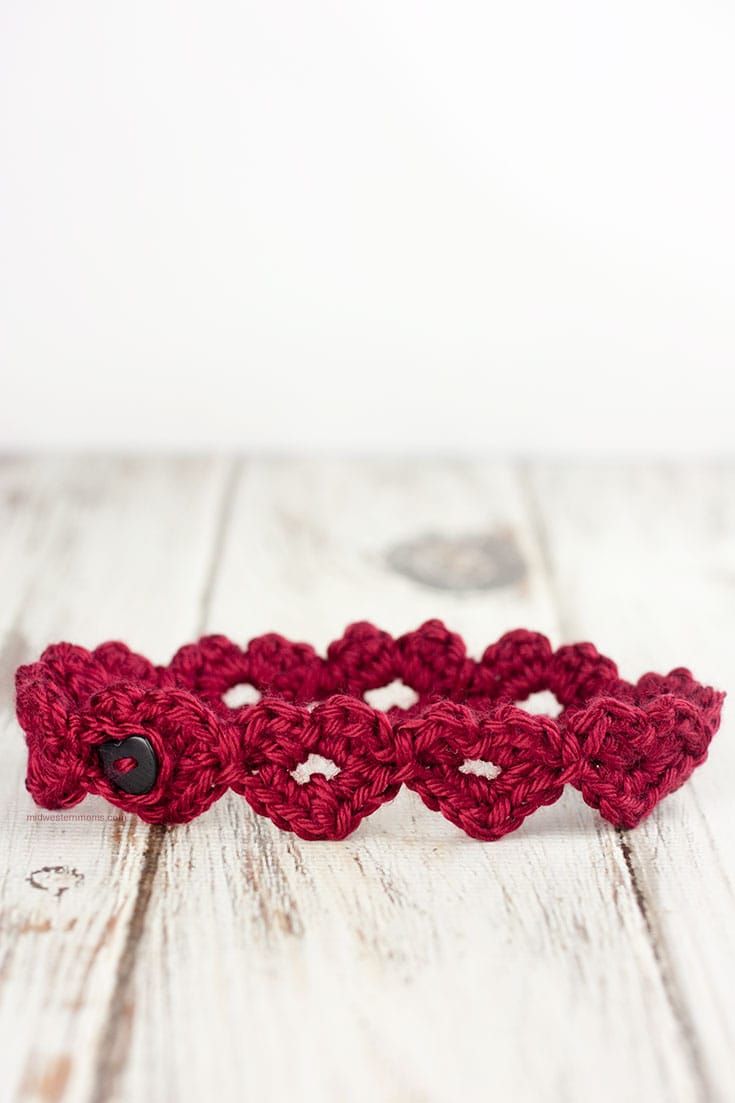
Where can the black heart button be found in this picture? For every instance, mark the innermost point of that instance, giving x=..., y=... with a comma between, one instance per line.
x=142, y=777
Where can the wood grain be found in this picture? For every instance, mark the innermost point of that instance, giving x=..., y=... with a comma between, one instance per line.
x=90, y=549
x=656, y=586
x=228, y=959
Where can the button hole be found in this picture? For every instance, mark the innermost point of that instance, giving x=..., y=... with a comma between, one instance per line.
x=124, y=765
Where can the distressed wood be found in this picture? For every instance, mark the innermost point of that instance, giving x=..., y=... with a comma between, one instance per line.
x=90, y=549
x=408, y=962
x=645, y=561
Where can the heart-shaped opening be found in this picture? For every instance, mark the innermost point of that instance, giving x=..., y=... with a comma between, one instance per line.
x=479, y=767
x=240, y=695
x=314, y=764
x=394, y=695
x=542, y=703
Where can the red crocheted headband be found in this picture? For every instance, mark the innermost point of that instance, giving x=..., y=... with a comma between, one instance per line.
x=160, y=740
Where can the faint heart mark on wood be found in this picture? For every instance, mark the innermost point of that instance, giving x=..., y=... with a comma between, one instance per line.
x=55, y=879
x=479, y=561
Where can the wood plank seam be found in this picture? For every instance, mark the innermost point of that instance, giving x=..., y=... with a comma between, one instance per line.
x=674, y=994
x=114, y=1037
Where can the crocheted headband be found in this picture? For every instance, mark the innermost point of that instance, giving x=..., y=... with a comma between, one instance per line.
x=160, y=740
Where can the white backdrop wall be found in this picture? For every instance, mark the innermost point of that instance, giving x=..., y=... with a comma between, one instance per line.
x=368, y=224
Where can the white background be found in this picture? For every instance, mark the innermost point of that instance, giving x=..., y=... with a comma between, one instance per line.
x=368, y=225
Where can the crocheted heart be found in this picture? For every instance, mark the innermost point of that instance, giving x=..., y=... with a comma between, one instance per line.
x=57, y=766
x=276, y=737
x=270, y=663
x=526, y=750
x=52, y=695
x=78, y=673
x=633, y=755
x=191, y=745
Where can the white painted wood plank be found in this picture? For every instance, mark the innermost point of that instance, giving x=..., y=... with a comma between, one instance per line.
x=644, y=561
x=409, y=962
x=90, y=549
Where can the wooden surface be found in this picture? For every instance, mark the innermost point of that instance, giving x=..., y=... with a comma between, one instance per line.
x=226, y=960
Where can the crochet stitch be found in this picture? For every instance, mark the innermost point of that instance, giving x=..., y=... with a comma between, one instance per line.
x=624, y=746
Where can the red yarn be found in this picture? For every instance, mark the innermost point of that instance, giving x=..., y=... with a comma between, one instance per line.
x=623, y=745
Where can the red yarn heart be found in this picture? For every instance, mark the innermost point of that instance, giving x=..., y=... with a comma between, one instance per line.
x=632, y=755
x=270, y=663
x=527, y=750
x=190, y=742
x=57, y=764
x=277, y=737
